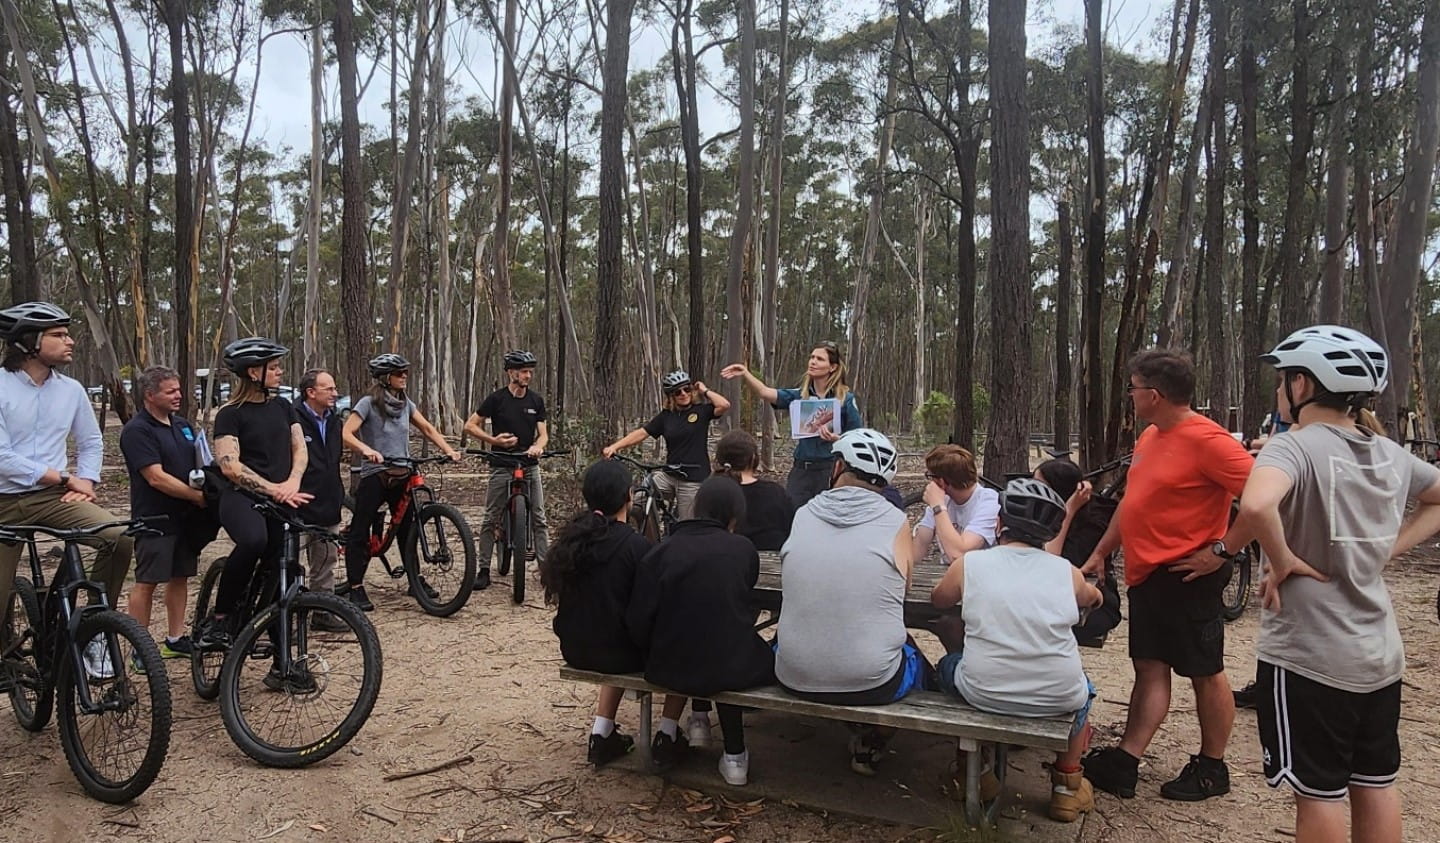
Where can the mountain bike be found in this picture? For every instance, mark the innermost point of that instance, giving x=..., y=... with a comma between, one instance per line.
x=652, y=512
x=290, y=694
x=514, y=535
x=437, y=549
x=114, y=724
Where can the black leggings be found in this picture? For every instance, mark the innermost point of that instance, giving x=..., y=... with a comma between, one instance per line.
x=256, y=537
x=732, y=724
x=370, y=494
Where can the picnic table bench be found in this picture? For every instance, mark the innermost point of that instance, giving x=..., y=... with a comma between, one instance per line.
x=930, y=712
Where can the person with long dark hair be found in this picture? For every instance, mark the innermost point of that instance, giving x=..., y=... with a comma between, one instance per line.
x=768, y=510
x=1086, y=519
x=691, y=614
x=588, y=576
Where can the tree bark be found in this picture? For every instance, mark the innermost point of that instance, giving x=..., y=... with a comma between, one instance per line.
x=1302, y=129
x=1255, y=403
x=1217, y=164
x=1092, y=387
x=504, y=297
x=685, y=70
x=19, y=217
x=744, y=200
x=769, y=328
x=1332, y=288
x=1064, y=292
x=609, y=276
x=310, y=324
x=354, y=289
x=405, y=178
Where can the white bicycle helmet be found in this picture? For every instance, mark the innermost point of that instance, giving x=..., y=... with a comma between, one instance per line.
x=1342, y=360
x=868, y=452
x=672, y=382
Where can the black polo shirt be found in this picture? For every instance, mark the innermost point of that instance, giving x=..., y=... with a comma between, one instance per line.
x=145, y=441
x=508, y=414
x=685, y=431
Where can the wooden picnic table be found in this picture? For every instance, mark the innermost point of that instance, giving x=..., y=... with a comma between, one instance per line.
x=919, y=612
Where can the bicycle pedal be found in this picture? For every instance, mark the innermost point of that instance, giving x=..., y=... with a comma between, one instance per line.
x=262, y=651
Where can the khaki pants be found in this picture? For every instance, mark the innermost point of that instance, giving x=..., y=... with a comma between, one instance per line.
x=681, y=494
x=320, y=559
x=44, y=507
x=497, y=495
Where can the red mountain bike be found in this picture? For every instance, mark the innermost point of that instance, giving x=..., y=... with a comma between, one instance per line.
x=515, y=534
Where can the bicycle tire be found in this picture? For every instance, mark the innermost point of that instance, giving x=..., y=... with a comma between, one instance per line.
x=22, y=649
x=205, y=665
x=502, y=544
x=442, y=561
x=1236, y=595
x=236, y=685
x=519, y=529
x=133, y=778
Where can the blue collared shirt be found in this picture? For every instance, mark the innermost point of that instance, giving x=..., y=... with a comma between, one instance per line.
x=318, y=417
x=35, y=421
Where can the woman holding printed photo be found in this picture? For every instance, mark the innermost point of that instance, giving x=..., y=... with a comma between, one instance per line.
x=824, y=378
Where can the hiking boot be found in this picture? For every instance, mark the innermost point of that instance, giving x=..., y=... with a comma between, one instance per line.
x=960, y=774
x=666, y=752
x=1113, y=770
x=697, y=731
x=298, y=682
x=180, y=648
x=1245, y=697
x=605, y=749
x=482, y=579
x=356, y=594
x=326, y=622
x=1070, y=796
x=735, y=769
x=863, y=756
x=425, y=587
x=1201, y=779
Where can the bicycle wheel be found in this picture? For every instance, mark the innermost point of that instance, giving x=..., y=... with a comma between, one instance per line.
x=439, y=552
x=117, y=750
x=32, y=698
x=519, y=530
x=321, y=703
x=205, y=664
x=502, y=544
x=1237, y=591
x=642, y=518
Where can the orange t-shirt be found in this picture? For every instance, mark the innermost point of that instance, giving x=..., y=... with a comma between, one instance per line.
x=1178, y=493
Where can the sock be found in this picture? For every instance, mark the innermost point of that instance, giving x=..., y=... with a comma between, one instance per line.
x=670, y=727
x=171, y=639
x=700, y=717
x=738, y=757
x=1067, y=770
x=603, y=727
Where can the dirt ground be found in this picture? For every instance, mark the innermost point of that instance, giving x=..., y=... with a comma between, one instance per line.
x=481, y=688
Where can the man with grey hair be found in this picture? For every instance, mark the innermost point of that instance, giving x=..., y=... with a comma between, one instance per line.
x=159, y=450
x=320, y=425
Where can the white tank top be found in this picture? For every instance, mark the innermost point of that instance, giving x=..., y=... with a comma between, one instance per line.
x=1020, y=653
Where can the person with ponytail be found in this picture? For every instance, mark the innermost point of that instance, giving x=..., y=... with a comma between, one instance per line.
x=1327, y=501
x=588, y=576
x=768, y=510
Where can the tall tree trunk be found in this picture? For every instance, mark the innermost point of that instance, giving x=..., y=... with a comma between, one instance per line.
x=19, y=218
x=354, y=287
x=1332, y=288
x=769, y=328
x=922, y=328
x=682, y=51
x=504, y=297
x=1302, y=130
x=1064, y=293
x=1255, y=403
x=184, y=308
x=310, y=324
x=405, y=179
x=1411, y=223
x=1092, y=385
x=967, y=166
x=1217, y=164
x=1365, y=245
x=744, y=199
x=1009, y=280
x=610, y=272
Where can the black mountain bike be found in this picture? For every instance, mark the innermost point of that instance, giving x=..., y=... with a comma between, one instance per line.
x=290, y=694
x=114, y=724
x=652, y=513
x=437, y=550
x=515, y=536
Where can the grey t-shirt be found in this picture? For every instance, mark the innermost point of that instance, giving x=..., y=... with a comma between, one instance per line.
x=1341, y=516
x=386, y=434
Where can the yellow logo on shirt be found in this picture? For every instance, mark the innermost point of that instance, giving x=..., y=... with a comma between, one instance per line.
x=694, y=417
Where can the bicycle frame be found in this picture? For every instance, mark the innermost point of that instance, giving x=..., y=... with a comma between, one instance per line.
x=517, y=491
x=62, y=612
x=409, y=503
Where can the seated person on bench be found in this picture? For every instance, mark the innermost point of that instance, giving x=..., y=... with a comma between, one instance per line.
x=969, y=506
x=1086, y=518
x=846, y=567
x=1020, y=658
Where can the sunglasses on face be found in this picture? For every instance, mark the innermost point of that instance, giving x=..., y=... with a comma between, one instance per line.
x=682, y=390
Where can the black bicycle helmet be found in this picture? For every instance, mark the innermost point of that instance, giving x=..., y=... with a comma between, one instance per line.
x=1031, y=511
x=387, y=364
x=672, y=382
x=519, y=360
x=29, y=318
x=242, y=354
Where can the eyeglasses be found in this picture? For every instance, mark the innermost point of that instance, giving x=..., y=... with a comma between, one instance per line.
x=1130, y=390
x=929, y=476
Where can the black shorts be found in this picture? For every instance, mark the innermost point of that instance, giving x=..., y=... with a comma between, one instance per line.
x=1321, y=740
x=1180, y=623
x=163, y=558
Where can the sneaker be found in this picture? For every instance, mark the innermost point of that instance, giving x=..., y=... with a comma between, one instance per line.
x=1070, y=796
x=1113, y=770
x=97, y=659
x=697, y=731
x=356, y=594
x=604, y=749
x=1201, y=779
x=482, y=579
x=666, y=752
x=1245, y=697
x=425, y=587
x=137, y=665
x=326, y=622
x=214, y=634
x=735, y=769
x=863, y=756
x=180, y=648
x=298, y=682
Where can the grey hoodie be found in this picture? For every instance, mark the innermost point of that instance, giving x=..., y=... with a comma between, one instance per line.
x=843, y=626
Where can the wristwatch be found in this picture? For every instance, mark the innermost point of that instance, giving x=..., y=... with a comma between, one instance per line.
x=937, y=508
x=1218, y=548
x=64, y=479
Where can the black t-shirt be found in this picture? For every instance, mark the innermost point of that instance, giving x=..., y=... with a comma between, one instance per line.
x=146, y=441
x=263, y=428
x=508, y=414
x=685, y=432
x=768, y=513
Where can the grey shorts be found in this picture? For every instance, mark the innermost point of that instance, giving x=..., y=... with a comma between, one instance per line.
x=163, y=558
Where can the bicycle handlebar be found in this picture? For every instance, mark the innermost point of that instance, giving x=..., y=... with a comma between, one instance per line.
x=406, y=463
x=678, y=466
x=144, y=525
x=505, y=459
x=270, y=509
